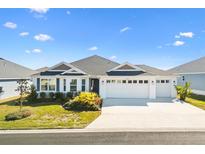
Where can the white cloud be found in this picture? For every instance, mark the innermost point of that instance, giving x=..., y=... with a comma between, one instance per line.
x=124, y=29
x=159, y=46
x=10, y=25
x=43, y=37
x=93, y=48
x=68, y=12
x=177, y=36
x=34, y=51
x=186, y=34
x=24, y=34
x=113, y=57
x=178, y=43
x=40, y=10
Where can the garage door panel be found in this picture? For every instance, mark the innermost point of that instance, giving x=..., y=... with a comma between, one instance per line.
x=127, y=90
x=163, y=89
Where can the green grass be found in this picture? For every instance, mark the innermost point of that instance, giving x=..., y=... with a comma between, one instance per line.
x=47, y=115
x=196, y=100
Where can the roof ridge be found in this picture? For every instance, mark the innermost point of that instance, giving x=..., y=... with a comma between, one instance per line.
x=95, y=56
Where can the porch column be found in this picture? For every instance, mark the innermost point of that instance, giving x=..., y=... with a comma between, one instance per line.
x=173, y=90
x=152, y=88
x=102, y=88
x=79, y=85
x=68, y=84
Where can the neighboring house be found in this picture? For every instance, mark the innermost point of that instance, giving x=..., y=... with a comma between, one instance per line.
x=107, y=78
x=193, y=72
x=10, y=73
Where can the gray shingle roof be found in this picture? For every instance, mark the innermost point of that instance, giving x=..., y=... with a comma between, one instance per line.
x=12, y=70
x=153, y=71
x=95, y=65
x=195, y=66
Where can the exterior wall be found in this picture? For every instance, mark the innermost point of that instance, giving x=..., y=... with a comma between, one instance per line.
x=61, y=86
x=197, y=82
x=9, y=89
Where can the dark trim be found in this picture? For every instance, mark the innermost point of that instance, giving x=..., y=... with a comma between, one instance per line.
x=38, y=84
x=57, y=84
x=125, y=73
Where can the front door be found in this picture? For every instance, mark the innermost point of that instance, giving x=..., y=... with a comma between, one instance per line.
x=94, y=85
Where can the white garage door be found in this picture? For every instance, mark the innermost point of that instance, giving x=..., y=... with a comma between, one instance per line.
x=163, y=88
x=127, y=88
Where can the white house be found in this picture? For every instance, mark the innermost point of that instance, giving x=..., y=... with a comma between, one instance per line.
x=107, y=78
x=10, y=73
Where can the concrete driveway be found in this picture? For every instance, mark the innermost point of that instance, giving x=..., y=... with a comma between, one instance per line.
x=145, y=114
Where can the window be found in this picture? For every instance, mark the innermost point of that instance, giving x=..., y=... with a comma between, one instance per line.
x=162, y=81
x=140, y=81
x=44, y=84
x=108, y=81
x=158, y=81
x=48, y=84
x=118, y=81
x=83, y=84
x=113, y=81
x=73, y=85
x=52, y=84
x=134, y=81
x=64, y=84
x=129, y=81
x=123, y=81
x=167, y=81
x=146, y=81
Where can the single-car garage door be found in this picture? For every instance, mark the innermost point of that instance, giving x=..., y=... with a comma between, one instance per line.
x=163, y=88
x=127, y=88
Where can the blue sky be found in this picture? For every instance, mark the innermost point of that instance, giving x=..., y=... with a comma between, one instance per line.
x=161, y=38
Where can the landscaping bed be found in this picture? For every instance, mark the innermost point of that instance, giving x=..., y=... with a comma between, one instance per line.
x=46, y=115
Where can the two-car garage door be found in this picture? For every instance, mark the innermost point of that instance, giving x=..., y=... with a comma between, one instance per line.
x=136, y=88
x=127, y=88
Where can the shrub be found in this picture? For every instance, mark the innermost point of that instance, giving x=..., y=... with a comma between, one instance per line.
x=59, y=96
x=33, y=94
x=183, y=91
x=51, y=95
x=86, y=101
x=42, y=95
x=69, y=95
x=18, y=115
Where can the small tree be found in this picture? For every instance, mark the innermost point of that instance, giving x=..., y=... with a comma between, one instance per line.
x=183, y=91
x=23, y=89
x=33, y=94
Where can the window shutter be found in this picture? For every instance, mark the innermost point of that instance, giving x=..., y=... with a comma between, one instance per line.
x=38, y=84
x=57, y=84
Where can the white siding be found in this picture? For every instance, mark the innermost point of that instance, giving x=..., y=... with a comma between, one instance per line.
x=9, y=88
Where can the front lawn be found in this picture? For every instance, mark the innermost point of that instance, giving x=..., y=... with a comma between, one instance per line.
x=46, y=115
x=196, y=100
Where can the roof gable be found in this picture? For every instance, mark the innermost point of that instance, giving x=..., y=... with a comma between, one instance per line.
x=65, y=68
x=62, y=67
x=126, y=67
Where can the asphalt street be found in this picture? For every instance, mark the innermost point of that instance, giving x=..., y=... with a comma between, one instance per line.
x=104, y=138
